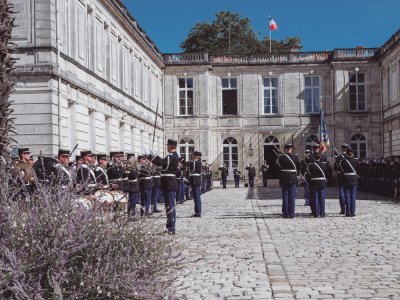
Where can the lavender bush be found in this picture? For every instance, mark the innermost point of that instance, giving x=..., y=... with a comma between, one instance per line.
x=50, y=248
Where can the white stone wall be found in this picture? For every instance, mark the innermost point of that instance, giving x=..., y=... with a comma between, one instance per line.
x=85, y=76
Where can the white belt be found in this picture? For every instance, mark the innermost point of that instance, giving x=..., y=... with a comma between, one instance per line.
x=145, y=178
x=194, y=174
x=163, y=175
x=318, y=178
x=105, y=186
x=158, y=176
x=91, y=185
x=283, y=170
x=349, y=173
x=133, y=180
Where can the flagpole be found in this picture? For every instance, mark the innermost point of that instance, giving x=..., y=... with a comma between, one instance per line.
x=270, y=47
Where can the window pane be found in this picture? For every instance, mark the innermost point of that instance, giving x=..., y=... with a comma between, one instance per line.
x=274, y=109
x=229, y=102
x=182, y=110
x=226, y=149
x=182, y=83
x=353, y=106
x=234, y=157
x=190, y=94
x=189, y=82
x=353, y=89
x=266, y=82
x=274, y=82
x=352, y=78
x=233, y=83
x=234, y=150
x=225, y=83
x=307, y=81
x=361, y=89
x=361, y=77
x=316, y=81
x=361, y=105
x=190, y=110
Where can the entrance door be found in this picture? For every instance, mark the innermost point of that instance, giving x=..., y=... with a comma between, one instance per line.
x=271, y=149
x=230, y=155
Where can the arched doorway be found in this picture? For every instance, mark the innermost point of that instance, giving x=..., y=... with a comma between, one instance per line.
x=271, y=152
x=230, y=155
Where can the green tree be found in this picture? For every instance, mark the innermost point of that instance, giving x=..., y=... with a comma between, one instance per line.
x=229, y=33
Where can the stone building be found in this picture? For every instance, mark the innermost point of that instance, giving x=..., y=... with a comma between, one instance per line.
x=240, y=109
x=86, y=74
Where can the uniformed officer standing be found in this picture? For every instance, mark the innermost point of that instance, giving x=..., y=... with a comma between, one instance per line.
x=169, y=171
x=101, y=171
x=316, y=175
x=85, y=175
x=340, y=178
x=63, y=173
x=349, y=164
x=195, y=181
x=264, y=171
x=303, y=170
x=224, y=174
x=289, y=166
x=236, y=176
x=251, y=174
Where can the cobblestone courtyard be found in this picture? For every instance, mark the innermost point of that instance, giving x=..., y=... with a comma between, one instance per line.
x=242, y=249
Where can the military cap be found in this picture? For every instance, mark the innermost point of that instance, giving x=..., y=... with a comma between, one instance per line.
x=63, y=152
x=197, y=153
x=78, y=157
x=316, y=145
x=288, y=145
x=86, y=153
x=101, y=156
x=129, y=155
x=307, y=151
x=115, y=153
x=172, y=142
x=141, y=156
x=23, y=150
x=349, y=149
x=344, y=145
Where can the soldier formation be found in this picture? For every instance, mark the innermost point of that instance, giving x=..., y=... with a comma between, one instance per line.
x=118, y=183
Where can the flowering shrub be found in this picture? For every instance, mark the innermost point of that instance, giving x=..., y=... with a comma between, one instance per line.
x=51, y=248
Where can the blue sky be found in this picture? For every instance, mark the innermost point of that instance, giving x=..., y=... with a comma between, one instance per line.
x=321, y=24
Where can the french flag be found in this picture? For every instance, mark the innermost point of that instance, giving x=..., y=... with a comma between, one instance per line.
x=272, y=24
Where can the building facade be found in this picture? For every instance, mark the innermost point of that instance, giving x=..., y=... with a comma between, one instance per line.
x=88, y=75
x=241, y=109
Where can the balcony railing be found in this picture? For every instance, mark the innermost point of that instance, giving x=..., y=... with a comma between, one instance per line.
x=186, y=58
x=290, y=57
x=355, y=53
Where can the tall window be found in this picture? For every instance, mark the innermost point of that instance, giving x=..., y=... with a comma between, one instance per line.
x=229, y=96
x=311, y=94
x=311, y=140
x=359, y=145
x=186, y=148
x=185, y=96
x=357, y=91
x=230, y=152
x=270, y=95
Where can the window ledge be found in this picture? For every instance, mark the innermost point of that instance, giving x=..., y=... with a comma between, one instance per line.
x=186, y=117
x=229, y=116
x=271, y=116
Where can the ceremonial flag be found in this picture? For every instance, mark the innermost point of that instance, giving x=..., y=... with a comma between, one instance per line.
x=272, y=24
x=323, y=134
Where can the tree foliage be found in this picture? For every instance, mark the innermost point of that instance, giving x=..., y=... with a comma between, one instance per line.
x=229, y=33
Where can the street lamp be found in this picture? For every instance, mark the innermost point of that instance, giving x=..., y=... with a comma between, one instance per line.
x=250, y=150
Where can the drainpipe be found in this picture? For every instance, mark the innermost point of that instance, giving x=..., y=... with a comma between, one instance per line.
x=58, y=72
x=381, y=125
x=333, y=106
x=209, y=115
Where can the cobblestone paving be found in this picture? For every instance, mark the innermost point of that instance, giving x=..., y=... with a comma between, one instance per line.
x=242, y=249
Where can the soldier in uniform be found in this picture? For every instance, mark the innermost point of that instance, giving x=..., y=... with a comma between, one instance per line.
x=101, y=171
x=289, y=167
x=64, y=174
x=340, y=178
x=195, y=181
x=316, y=176
x=156, y=190
x=145, y=185
x=323, y=160
x=23, y=172
x=264, y=171
x=303, y=171
x=85, y=176
x=251, y=174
x=349, y=165
x=236, y=176
x=224, y=175
x=180, y=193
x=133, y=192
x=169, y=170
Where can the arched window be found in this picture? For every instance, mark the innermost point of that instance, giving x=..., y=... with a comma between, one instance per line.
x=310, y=141
x=271, y=140
x=186, y=148
x=230, y=153
x=359, y=145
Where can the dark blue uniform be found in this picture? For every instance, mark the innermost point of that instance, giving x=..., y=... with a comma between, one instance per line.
x=236, y=176
x=169, y=171
x=289, y=166
x=348, y=165
x=251, y=174
x=317, y=177
x=224, y=175
x=195, y=182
